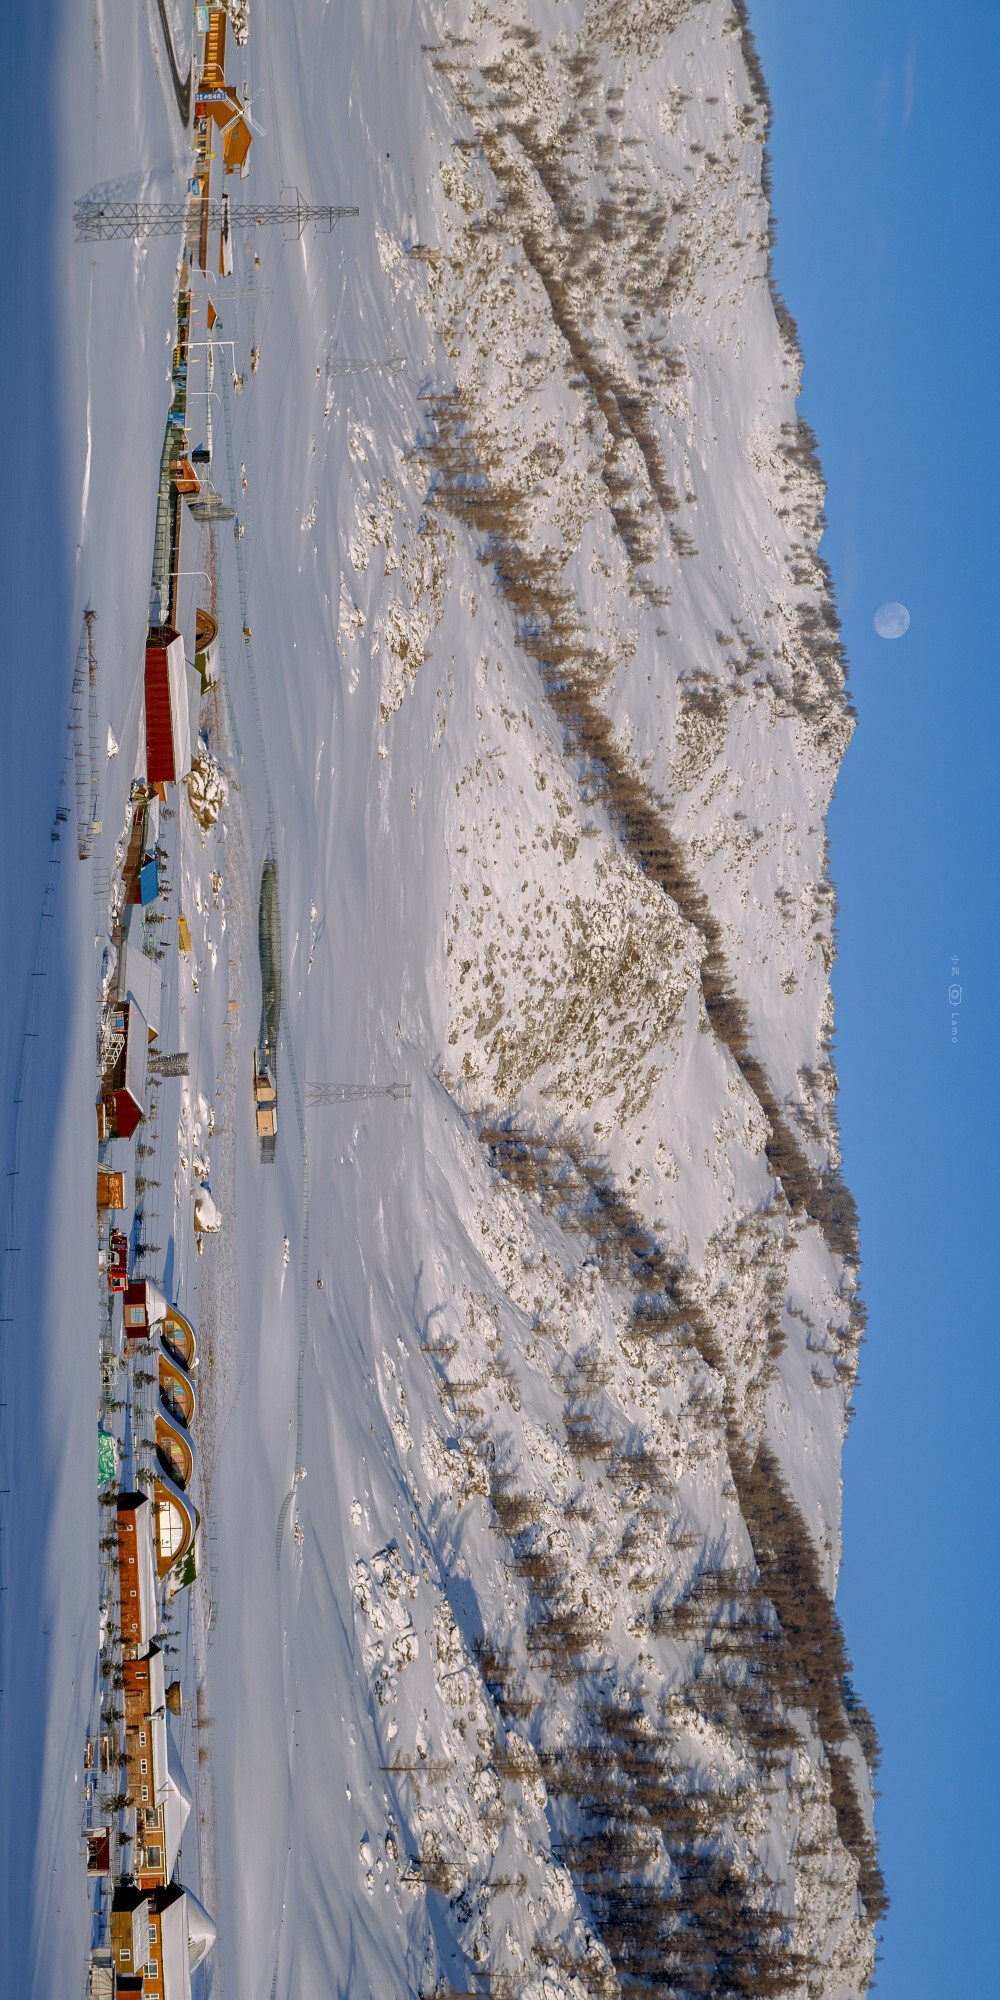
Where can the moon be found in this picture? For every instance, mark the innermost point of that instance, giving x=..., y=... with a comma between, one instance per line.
x=891, y=621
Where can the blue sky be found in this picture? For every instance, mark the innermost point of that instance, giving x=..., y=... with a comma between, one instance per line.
x=885, y=168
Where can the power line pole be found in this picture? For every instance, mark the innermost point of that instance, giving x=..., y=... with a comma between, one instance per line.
x=96, y=219
x=349, y=1093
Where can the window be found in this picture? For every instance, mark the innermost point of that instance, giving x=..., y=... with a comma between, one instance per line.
x=125, y=1951
x=143, y=1767
x=153, y=1968
x=154, y=1857
x=145, y=1794
x=142, y=1737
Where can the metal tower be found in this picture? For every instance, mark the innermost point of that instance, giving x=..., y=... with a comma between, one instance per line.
x=97, y=219
x=348, y=1093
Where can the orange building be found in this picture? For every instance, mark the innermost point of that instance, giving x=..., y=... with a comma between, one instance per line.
x=177, y=1391
x=177, y=1525
x=130, y=1931
x=136, y=1571
x=214, y=67
x=181, y=1933
x=156, y=1782
x=158, y=1938
x=179, y=1338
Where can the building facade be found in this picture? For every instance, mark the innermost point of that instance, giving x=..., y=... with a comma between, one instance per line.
x=136, y=1569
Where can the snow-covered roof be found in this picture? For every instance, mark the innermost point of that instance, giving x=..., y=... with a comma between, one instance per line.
x=187, y=1934
x=175, y=1968
x=157, y=1683
x=194, y=705
x=176, y=1800
x=136, y=1047
x=156, y=1304
x=140, y=981
x=158, y=1730
x=201, y=1931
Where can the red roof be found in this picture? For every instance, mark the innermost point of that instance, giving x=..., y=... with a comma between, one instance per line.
x=168, y=739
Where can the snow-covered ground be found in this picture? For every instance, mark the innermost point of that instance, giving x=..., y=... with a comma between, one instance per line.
x=541, y=715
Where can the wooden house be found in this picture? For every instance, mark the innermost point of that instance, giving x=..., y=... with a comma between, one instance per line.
x=157, y=1784
x=110, y=1190
x=168, y=737
x=136, y=1569
x=123, y=1094
x=130, y=1935
x=145, y=1308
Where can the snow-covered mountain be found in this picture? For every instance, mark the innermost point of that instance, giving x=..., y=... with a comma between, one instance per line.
x=523, y=1395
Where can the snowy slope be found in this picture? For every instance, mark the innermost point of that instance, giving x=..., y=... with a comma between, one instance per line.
x=522, y=1397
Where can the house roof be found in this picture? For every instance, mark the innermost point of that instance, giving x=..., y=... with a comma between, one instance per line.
x=179, y=1333
x=168, y=730
x=175, y=1968
x=136, y=1048
x=176, y=1445
x=169, y=1496
x=236, y=144
x=187, y=1934
x=176, y=1801
x=139, y=1506
x=154, y=1657
x=145, y=1293
x=194, y=705
x=172, y=1372
x=201, y=1931
x=140, y=981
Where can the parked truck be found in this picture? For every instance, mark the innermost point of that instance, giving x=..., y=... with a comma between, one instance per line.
x=265, y=1097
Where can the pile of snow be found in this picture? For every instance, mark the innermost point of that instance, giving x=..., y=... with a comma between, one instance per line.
x=207, y=1219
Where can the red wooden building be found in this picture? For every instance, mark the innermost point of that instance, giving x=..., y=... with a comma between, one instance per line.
x=136, y=1573
x=145, y=1307
x=168, y=725
x=129, y=1094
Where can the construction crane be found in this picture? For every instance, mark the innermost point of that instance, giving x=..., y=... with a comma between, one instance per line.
x=130, y=221
x=348, y=1093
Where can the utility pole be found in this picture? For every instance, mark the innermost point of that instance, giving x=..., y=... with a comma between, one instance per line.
x=131, y=221
x=349, y=1093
